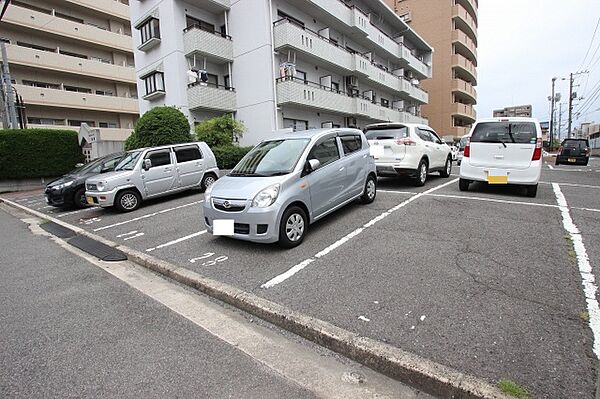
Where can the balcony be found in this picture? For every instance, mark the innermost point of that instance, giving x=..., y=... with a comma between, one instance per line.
x=465, y=45
x=211, y=97
x=65, y=63
x=297, y=92
x=469, y=5
x=108, y=7
x=213, y=45
x=50, y=24
x=459, y=131
x=67, y=99
x=464, y=89
x=423, y=71
x=464, y=111
x=465, y=68
x=464, y=21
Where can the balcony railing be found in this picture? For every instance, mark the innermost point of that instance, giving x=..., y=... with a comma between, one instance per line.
x=464, y=111
x=109, y=7
x=48, y=23
x=468, y=23
x=461, y=39
x=211, y=96
x=69, y=99
x=210, y=43
x=465, y=65
x=65, y=63
x=466, y=88
x=471, y=6
x=314, y=95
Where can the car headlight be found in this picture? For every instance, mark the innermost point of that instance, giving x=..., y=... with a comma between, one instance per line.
x=266, y=197
x=101, y=186
x=63, y=185
x=207, y=193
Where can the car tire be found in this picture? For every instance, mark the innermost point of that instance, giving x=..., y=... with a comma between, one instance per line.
x=370, y=191
x=586, y=162
x=463, y=184
x=208, y=180
x=79, y=200
x=422, y=170
x=128, y=200
x=447, y=168
x=556, y=162
x=293, y=227
x=532, y=191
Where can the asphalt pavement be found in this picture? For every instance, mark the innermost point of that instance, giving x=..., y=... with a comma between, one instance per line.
x=483, y=281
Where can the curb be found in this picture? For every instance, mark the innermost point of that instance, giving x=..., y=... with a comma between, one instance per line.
x=408, y=368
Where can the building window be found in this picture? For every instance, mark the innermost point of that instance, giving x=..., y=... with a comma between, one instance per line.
x=301, y=75
x=112, y=125
x=150, y=30
x=41, y=84
x=385, y=103
x=293, y=20
x=73, y=122
x=226, y=82
x=154, y=83
x=36, y=47
x=72, y=54
x=295, y=124
x=198, y=23
x=45, y=121
x=78, y=89
x=104, y=92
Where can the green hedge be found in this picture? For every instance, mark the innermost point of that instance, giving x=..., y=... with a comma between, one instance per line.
x=32, y=153
x=229, y=155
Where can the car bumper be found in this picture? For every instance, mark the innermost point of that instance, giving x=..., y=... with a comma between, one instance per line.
x=101, y=198
x=59, y=198
x=395, y=168
x=247, y=222
x=567, y=158
x=529, y=176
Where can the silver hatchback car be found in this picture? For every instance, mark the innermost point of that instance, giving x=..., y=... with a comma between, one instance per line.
x=284, y=184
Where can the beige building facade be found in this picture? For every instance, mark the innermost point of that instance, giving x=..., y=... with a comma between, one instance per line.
x=518, y=110
x=72, y=63
x=450, y=27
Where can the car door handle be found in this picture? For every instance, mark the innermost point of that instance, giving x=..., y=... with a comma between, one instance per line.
x=167, y=169
x=342, y=168
x=499, y=156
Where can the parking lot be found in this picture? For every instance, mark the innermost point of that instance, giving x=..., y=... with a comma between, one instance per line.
x=485, y=281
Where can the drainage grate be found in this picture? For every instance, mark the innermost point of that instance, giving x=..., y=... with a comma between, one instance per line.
x=58, y=230
x=98, y=249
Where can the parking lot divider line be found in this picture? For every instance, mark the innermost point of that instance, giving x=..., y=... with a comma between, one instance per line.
x=397, y=192
x=177, y=241
x=149, y=215
x=494, y=200
x=62, y=215
x=550, y=166
x=585, y=268
x=569, y=184
x=296, y=268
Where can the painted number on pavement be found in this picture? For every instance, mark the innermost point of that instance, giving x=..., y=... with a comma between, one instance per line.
x=208, y=259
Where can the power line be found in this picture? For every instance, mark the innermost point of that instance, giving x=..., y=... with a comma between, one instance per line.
x=590, y=46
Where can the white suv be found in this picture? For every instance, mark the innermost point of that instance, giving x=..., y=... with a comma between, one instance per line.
x=503, y=151
x=408, y=149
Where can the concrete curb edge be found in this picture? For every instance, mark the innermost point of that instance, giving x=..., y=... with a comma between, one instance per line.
x=408, y=368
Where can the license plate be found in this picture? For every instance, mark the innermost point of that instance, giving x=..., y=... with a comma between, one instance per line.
x=497, y=177
x=223, y=227
x=572, y=160
x=90, y=200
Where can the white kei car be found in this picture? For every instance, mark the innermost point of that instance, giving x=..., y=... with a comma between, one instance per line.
x=408, y=149
x=503, y=151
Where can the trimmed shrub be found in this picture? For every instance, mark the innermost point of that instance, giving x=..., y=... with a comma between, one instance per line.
x=160, y=126
x=219, y=131
x=229, y=155
x=30, y=153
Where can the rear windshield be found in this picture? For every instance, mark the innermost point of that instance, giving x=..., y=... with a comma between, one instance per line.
x=504, y=132
x=387, y=134
x=462, y=143
x=581, y=144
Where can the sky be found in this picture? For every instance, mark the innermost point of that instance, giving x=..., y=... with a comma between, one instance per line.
x=523, y=44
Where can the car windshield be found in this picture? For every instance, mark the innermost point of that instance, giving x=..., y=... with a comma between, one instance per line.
x=90, y=166
x=505, y=132
x=271, y=158
x=387, y=134
x=581, y=144
x=128, y=163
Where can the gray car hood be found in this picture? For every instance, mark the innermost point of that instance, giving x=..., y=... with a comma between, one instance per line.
x=243, y=187
x=118, y=176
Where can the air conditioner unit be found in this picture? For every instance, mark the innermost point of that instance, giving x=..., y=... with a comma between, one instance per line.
x=352, y=81
x=351, y=121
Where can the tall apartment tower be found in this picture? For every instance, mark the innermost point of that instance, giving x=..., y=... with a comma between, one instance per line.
x=72, y=63
x=450, y=26
x=280, y=64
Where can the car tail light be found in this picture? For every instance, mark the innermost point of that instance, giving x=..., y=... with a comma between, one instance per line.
x=537, y=153
x=467, y=150
x=406, y=141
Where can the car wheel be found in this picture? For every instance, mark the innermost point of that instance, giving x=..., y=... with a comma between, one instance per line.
x=447, y=168
x=128, y=200
x=370, y=190
x=207, y=181
x=293, y=227
x=556, y=162
x=586, y=162
x=463, y=184
x=421, y=174
x=532, y=190
x=79, y=198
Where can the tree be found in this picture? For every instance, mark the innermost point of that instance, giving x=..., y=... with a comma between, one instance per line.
x=220, y=131
x=160, y=126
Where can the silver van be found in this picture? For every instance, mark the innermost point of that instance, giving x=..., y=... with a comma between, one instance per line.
x=153, y=172
x=284, y=184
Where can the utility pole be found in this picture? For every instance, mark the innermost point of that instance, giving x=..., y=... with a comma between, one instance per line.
x=559, y=120
x=8, y=89
x=571, y=98
x=552, y=113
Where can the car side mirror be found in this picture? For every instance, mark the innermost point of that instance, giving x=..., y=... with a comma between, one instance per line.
x=79, y=165
x=147, y=164
x=310, y=166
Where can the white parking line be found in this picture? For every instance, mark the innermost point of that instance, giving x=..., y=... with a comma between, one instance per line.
x=585, y=268
x=62, y=215
x=147, y=216
x=396, y=192
x=570, y=184
x=295, y=269
x=550, y=166
x=176, y=241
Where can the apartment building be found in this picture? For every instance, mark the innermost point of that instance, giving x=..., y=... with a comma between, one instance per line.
x=518, y=110
x=72, y=63
x=450, y=26
x=280, y=64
